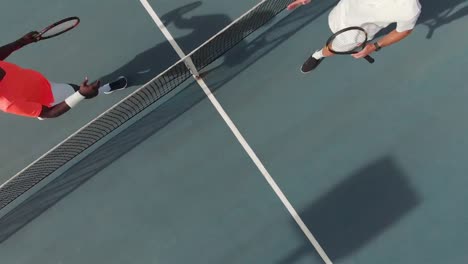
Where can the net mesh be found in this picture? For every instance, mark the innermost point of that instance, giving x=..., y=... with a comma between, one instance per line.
x=138, y=101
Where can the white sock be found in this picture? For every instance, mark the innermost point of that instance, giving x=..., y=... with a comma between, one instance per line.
x=318, y=54
x=104, y=88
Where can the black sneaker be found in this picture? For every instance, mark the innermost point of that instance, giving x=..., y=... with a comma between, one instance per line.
x=310, y=64
x=119, y=84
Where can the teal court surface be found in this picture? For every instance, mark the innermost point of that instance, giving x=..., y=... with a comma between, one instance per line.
x=370, y=157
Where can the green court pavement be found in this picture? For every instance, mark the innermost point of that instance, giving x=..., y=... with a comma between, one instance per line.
x=371, y=156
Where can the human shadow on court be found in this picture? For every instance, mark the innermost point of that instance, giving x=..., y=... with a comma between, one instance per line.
x=148, y=64
x=437, y=13
x=356, y=211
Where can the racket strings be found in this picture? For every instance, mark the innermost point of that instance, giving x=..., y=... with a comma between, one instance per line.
x=62, y=27
x=348, y=41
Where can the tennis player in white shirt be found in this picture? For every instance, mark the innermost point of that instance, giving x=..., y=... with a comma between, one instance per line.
x=377, y=13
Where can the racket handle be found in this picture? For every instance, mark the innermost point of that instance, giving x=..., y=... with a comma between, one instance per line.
x=369, y=59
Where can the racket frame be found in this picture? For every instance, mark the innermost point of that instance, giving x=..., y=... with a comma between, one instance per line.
x=40, y=37
x=354, y=51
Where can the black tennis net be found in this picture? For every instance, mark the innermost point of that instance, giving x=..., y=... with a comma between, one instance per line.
x=134, y=104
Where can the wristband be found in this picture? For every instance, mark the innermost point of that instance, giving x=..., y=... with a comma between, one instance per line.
x=74, y=99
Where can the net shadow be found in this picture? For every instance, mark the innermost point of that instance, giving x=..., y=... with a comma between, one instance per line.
x=104, y=156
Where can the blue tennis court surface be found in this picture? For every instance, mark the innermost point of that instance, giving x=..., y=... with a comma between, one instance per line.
x=370, y=156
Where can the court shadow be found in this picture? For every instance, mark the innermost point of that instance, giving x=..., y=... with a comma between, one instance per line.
x=437, y=13
x=358, y=210
x=148, y=64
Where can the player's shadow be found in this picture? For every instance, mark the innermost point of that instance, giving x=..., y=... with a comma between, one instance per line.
x=437, y=13
x=358, y=210
x=148, y=64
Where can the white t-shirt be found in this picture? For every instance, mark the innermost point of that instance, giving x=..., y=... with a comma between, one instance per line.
x=375, y=15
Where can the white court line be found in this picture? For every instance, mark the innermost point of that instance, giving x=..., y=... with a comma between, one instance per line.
x=241, y=140
x=168, y=36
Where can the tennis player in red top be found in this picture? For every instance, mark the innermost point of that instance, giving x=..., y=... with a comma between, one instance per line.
x=28, y=93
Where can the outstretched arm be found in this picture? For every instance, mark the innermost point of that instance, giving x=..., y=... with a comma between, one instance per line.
x=8, y=49
x=86, y=91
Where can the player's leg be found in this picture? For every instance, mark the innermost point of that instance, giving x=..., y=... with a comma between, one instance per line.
x=116, y=85
x=315, y=59
x=335, y=21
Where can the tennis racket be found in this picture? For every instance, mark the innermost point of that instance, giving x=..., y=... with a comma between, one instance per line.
x=349, y=40
x=58, y=28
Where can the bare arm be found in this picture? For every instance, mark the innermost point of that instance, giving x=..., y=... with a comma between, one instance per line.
x=297, y=3
x=393, y=37
x=54, y=111
x=8, y=49
x=86, y=91
x=389, y=39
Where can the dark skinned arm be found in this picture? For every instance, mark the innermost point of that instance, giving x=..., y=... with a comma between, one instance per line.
x=54, y=111
x=8, y=49
x=87, y=90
